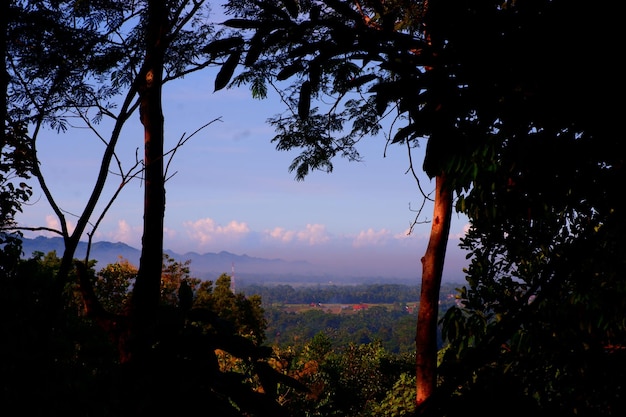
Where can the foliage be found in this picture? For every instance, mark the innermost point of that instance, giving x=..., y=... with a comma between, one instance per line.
x=49, y=75
x=336, y=71
x=393, y=325
x=173, y=276
x=245, y=313
x=75, y=64
x=338, y=294
x=14, y=172
x=400, y=400
x=72, y=362
x=537, y=164
x=394, y=329
x=543, y=313
x=54, y=361
x=112, y=285
x=346, y=381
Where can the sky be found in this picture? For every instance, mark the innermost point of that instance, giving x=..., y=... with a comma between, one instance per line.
x=231, y=190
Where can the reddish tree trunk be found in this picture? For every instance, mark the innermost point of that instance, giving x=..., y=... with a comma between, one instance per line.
x=432, y=272
x=146, y=293
x=5, y=9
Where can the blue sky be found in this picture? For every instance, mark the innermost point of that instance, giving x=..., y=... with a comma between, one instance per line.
x=232, y=190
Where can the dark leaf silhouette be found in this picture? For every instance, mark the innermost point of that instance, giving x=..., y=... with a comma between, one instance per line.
x=304, y=104
x=226, y=72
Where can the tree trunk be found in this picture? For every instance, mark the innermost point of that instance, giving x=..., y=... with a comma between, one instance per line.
x=432, y=272
x=146, y=293
x=5, y=9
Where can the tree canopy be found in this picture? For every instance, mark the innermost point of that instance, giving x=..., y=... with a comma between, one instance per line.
x=512, y=111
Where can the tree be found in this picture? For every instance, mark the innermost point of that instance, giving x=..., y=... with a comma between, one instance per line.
x=459, y=74
x=244, y=312
x=55, y=360
x=542, y=316
x=349, y=381
x=132, y=50
x=174, y=275
x=51, y=83
x=14, y=160
x=365, y=59
x=113, y=284
x=48, y=82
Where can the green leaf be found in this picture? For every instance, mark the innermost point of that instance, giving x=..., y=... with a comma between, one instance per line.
x=258, y=88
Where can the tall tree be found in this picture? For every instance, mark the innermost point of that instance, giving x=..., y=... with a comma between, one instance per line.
x=371, y=59
x=541, y=322
x=461, y=74
x=51, y=82
x=133, y=49
x=543, y=310
x=146, y=293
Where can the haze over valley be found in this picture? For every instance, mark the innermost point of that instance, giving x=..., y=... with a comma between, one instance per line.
x=246, y=269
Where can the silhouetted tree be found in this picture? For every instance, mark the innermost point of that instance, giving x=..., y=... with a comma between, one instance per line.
x=463, y=75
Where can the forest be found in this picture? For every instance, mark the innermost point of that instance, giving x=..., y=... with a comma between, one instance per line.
x=361, y=314
x=515, y=105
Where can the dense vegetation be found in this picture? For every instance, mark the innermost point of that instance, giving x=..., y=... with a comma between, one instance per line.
x=339, y=294
x=384, y=313
x=72, y=362
x=515, y=101
x=393, y=329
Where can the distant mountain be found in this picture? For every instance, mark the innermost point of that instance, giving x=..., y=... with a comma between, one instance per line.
x=209, y=266
x=206, y=266
x=104, y=252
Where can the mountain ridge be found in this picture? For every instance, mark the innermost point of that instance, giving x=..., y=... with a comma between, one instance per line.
x=210, y=265
x=207, y=265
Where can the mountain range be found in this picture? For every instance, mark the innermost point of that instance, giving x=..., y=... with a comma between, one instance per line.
x=210, y=265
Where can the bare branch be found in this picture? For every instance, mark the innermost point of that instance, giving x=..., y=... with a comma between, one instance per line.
x=183, y=139
x=35, y=229
x=131, y=174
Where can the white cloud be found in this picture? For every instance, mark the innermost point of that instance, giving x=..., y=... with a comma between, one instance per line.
x=131, y=235
x=124, y=232
x=404, y=235
x=371, y=237
x=281, y=234
x=313, y=234
x=52, y=222
x=207, y=231
x=169, y=234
